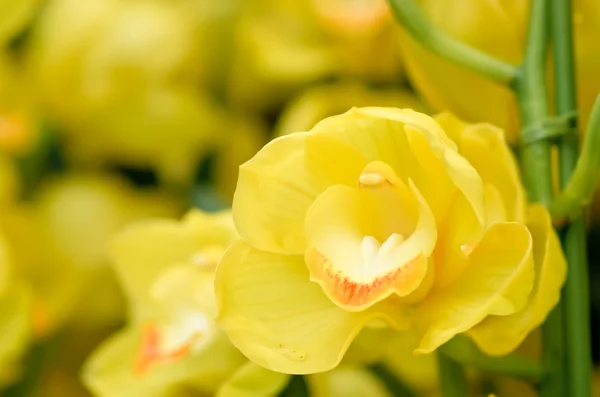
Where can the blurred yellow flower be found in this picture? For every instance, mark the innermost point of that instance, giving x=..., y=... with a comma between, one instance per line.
x=124, y=102
x=171, y=342
x=71, y=219
x=282, y=46
x=392, y=215
x=447, y=86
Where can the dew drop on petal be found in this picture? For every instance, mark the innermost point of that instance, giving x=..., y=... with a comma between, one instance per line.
x=467, y=248
x=291, y=353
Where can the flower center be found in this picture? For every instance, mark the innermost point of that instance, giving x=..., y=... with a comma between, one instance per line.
x=163, y=344
x=184, y=308
x=370, y=241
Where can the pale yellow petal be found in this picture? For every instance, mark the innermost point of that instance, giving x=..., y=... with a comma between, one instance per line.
x=213, y=229
x=457, y=168
x=497, y=280
x=458, y=235
x=495, y=211
x=281, y=320
x=416, y=148
x=377, y=138
x=144, y=250
x=485, y=147
x=252, y=380
x=277, y=186
x=452, y=125
x=499, y=335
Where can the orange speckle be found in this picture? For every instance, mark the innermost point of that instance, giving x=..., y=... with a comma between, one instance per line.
x=150, y=350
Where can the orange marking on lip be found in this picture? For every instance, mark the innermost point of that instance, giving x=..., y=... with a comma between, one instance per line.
x=354, y=294
x=150, y=352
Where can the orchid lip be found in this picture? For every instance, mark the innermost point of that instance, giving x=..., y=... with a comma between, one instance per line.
x=369, y=241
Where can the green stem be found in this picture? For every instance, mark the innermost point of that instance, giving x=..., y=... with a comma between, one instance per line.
x=412, y=19
x=533, y=105
x=553, y=382
x=576, y=290
x=453, y=380
x=537, y=172
x=576, y=308
x=580, y=187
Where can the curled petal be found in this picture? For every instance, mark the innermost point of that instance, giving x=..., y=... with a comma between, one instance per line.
x=415, y=146
x=486, y=149
x=499, y=335
x=279, y=319
x=497, y=280
x=138, y=268
x=278, y=185
x=459, y=234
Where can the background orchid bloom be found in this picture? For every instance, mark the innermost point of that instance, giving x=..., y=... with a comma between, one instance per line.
x=125, y=103
x=499, y=29
x=171, y=342
x=71, y=218
x=283, y=46
x=383, y=214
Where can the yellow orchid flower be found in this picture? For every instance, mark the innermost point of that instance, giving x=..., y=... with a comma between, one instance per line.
x=172, y=342
x=71, y=219
x=383, y=214
x=447, y=86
